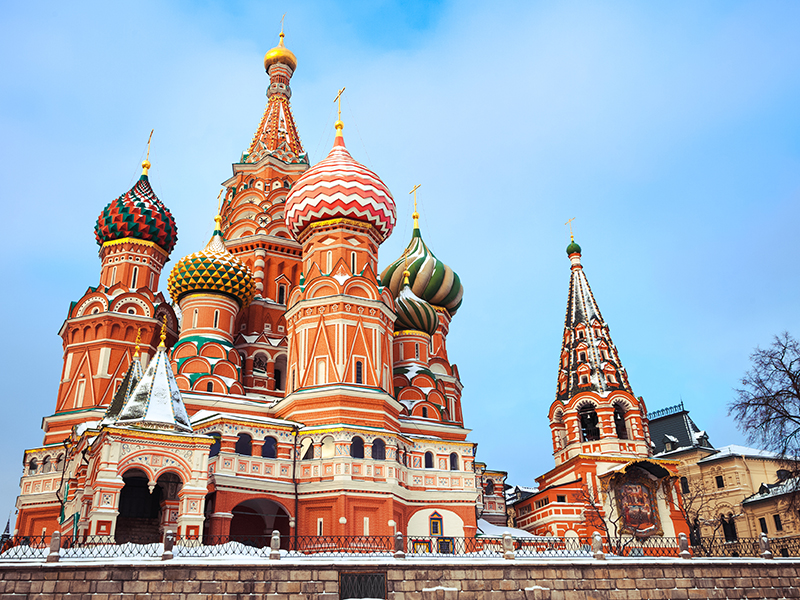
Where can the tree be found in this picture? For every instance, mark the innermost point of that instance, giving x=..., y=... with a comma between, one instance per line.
x=703, y=515
x=767, y=406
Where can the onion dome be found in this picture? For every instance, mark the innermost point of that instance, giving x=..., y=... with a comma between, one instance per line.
x=431, y=279
x=212, y=269
x=138, y=214
x=340, y=187
x=156, y=401
x=280, y=54
x=413, y=312
x=573, y=248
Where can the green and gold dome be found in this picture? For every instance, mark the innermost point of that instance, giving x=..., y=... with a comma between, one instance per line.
x=430, y=279
x=413, y=312
x=212, y=269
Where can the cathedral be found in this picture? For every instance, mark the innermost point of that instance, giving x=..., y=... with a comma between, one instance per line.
x=286, y=383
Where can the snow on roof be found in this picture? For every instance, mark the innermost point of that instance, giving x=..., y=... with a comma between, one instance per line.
x=773, y=490
x=671, y=438
x=736, y=450
x=206, y=415
x=489, y=530
x=86, y=425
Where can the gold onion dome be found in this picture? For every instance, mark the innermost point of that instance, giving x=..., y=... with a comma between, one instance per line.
x=430, y=279
x=413, y=312
x=280, y=54
x=212, y=269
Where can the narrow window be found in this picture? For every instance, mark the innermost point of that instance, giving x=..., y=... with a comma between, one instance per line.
x=329, y=262
x=582, y=357
x=210, y=386
x=33, y=466
x=359, y=372
x=776, y=518
x=306, y=449
x=425, y=412
x=584, y=380
x=113, y=276
x=763, y=523
x=244, y=445
x=278, y=379
x=590, y=428
x=684, y=485
x=270, y=448
x=453, y=461
x=321, y=372
x=353, y=263
x=619, y=422
x=319, y=526
x=216, y=446
x=152, y=275
x=720, y=481
x=357, y=448
x=216, y=319
x=366, y=526
x=488, y=488
x=281, y=294
x=379, y=449
x=81, y=390
x=194, y=319
x=429, y=460
x=435, y=522
x=134, y=277
x=47, y=466
x=416, y=350
x=292, y=379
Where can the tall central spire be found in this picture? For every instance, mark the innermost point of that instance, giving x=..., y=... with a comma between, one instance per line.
x=277, y=133
x=589, y=359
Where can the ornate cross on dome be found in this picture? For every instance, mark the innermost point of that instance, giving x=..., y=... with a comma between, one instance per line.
x=339, y=125
x=415, y=215
x=571, y=237
x=146, y=163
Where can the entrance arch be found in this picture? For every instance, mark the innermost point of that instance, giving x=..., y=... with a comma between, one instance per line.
x=139, y=510
x=255, y=519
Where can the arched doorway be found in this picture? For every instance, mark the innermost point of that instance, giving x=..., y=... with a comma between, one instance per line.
x=255, y=519
x=139, y=510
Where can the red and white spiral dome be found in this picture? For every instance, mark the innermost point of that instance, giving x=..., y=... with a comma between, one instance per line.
x=340, y=187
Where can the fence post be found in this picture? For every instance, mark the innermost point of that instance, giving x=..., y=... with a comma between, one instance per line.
x=597, y=546
x=683, y=546
x=169, y=544
x=275, y=545
x=508, y=546
x=763, y=542
x=399, y=546
x=55, y=547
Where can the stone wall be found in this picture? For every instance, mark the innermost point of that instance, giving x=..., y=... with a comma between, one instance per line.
x=412, y=580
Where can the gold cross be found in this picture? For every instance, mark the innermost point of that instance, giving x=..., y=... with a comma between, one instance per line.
x=415, y=216
x=163, y=331
x=282, y=18
x=148, y=144
x=138, y=338
x=339, y=100
x=571, y=237
x=219, y=200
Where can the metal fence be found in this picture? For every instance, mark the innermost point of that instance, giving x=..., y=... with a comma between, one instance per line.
x=101, y=547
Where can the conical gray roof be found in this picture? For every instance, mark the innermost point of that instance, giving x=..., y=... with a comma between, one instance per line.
x=132, y=377
x=156, y=401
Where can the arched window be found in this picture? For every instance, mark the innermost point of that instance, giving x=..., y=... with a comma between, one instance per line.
x=270, y=448
x=33, y=466
x=60, y=462
x=328, y=447
x=488, y=488
x=429, y=460
x=684, y=485
x=729, y=528
x=306, y=449
x=281, y=294
x=279, y=370
x=379, y=449
x=320, y=372
x=590, y=428
x=619, y=422
x=286, y=184
x=453, y=461
x=357, y=448
x=216, y=446
x=435, y=524
x=194, y=319
x=425, y=412
x=210, y=386
x=244, y=445
x=359, y=372
x=47, y=466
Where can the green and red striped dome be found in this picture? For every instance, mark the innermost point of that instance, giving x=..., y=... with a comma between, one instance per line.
x=140, y=215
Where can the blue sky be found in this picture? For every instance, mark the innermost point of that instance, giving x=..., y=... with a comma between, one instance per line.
x=670, y=131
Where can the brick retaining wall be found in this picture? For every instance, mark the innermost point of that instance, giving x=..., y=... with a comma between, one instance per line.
x=523, y=580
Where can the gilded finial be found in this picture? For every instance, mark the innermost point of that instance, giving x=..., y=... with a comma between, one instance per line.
x=415, y=215
x=138, y=339
x=146, y=161
x=339, y=125
x=406, y=275
x=571, y=237
x=163, y=332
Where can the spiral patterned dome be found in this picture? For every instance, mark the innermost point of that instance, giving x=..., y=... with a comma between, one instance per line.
x=137, y=214
x=340, y=187
x=431, y=279
x=413, y=312
x=212, y=269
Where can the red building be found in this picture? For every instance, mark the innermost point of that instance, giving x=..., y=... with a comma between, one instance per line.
x=289, y=386
x=605, y=478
